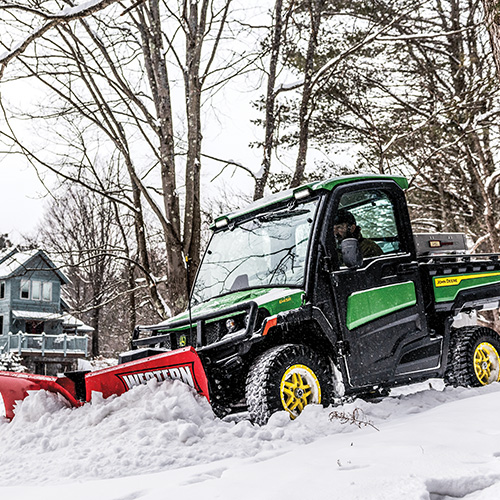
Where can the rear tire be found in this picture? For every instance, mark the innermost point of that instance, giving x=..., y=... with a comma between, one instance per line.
x=287, y=377
x=474, y=357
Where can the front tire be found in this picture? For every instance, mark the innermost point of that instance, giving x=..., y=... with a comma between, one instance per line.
x=287, y=377
x=474, y=357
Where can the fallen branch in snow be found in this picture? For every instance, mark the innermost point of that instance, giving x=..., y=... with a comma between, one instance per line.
x=357, y=417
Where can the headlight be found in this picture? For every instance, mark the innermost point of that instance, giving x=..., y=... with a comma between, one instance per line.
x=231, y=325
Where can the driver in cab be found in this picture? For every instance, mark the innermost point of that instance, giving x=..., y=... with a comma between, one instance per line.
x=344, y=226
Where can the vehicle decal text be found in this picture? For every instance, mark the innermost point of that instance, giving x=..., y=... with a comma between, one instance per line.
x=456, y=280
x=182, y=373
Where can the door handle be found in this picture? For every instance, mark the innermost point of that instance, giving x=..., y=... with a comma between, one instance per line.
x=407, y=268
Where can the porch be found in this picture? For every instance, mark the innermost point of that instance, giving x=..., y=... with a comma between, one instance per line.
x=29, y=344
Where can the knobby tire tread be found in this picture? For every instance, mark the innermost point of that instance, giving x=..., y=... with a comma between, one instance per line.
x=262, y=377
x=460, y=368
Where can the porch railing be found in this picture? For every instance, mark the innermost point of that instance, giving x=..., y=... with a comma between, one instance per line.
x=43, y=344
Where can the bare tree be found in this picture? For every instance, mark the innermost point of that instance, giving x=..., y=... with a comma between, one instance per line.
x=80, y=231
x=303, y=53
x=420, y=99
x=49, y=21
x=93, y=68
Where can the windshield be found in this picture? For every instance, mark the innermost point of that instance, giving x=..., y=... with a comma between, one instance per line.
x=267, y=250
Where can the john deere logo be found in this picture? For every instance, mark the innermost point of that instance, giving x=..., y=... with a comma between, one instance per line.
x=182, y=341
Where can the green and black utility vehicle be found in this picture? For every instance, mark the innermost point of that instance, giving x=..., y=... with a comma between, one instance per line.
x=282, y=315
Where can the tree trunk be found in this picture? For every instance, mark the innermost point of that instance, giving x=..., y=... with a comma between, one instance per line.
x=195, y=30
x=94, y=323
x=140, y=234
x=176, y=291
x=270, y=124
x=315, y=11
x=492, y=19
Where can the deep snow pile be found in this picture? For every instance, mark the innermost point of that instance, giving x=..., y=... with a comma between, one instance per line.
x=431, y=445
x=151, y=428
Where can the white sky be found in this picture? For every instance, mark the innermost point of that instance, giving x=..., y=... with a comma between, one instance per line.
x=227, y=133
x=21, y=197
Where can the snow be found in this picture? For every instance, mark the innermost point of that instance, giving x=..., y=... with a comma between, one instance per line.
x=12, y=259
x=162, y=441
x=78, y=9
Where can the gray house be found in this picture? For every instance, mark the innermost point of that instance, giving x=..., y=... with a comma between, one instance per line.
x=34, y=321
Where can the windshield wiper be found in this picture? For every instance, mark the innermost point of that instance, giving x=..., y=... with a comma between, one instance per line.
x=282, y=214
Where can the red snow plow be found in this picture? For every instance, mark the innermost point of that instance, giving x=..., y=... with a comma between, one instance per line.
x=77, y=387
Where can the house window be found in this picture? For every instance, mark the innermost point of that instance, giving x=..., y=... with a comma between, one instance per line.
x=25, y=289
x=36, y=290
x=47, y=291
x=1, y=325
x=2, y=290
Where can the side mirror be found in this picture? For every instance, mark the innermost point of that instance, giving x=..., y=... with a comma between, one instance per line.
x=351, y=253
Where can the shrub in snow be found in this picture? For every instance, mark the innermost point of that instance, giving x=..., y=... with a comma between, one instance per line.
x=357, y=417
x=11, y=362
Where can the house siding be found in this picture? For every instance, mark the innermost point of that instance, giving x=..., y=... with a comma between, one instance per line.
x=5, y=308
x=44, y=350
x=36, y=270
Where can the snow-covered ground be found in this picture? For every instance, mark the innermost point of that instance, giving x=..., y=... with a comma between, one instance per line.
x=160, y=441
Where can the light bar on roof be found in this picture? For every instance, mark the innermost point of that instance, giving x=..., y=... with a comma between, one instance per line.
x=302, y=193
x=223, y=222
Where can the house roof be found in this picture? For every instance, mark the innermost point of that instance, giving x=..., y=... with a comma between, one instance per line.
x=68, y=321
x=35, y=315
x=15, y=261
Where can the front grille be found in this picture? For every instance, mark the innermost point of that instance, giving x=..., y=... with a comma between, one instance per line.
x=165, y=344
x=175, y=340
x=214, y=331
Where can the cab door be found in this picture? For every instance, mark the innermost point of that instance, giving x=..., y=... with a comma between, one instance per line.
x=379, y=306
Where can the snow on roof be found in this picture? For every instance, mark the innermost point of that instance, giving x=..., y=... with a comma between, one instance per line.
x=12, y=259
x=36, y=315
x=68, y=321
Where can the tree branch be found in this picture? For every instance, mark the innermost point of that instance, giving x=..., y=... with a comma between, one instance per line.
x=64, y=16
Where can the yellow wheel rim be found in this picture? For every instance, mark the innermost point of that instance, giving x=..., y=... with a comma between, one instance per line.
x=486, y=363
x=299, y=387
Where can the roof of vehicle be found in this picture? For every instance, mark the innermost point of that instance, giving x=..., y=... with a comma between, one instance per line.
x=327, y=185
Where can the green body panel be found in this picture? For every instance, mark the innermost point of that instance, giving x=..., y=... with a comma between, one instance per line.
x=289, y=300
x=330, y=184
x=275, y=300
x=446, y=288
x=368, y=305
x=327, y=185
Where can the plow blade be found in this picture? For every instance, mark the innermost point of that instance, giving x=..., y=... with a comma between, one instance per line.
x=15, y=387
x=182, y=364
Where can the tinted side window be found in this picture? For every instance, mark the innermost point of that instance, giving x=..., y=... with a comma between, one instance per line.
x=373, y=212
